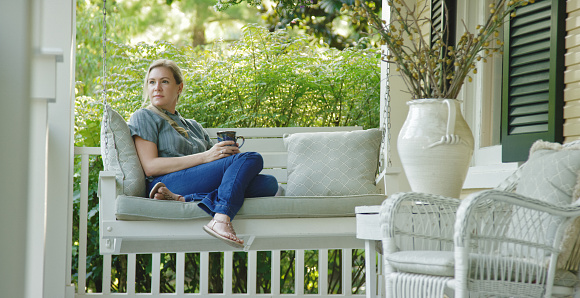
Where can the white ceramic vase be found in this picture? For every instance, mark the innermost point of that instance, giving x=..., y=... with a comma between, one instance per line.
x=435, y=146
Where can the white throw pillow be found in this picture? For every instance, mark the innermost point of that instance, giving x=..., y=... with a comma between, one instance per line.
x=551, y=174
x=119, y=155
x=332, y=163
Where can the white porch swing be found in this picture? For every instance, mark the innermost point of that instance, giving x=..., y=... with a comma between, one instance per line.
x=318, y=214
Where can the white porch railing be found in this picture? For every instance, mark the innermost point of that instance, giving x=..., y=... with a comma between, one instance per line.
x=181, y=282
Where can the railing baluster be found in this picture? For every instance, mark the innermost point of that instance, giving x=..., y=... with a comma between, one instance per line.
x=204, y=273
x=323, y=271
x=107, y=274
x=228, y=272
x=131, y=269
x=275, y=273
x=347, y=272
x=83, y=213
x=155, y=273
x=252, y=272
x=371, y=265
x=180, y=273
x=299, y=272
x=380, y=280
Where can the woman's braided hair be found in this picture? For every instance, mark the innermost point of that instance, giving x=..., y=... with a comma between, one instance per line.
x=171, y=65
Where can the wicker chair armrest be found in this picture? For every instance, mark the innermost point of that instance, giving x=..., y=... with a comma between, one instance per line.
x=418, y=221
x=480, y=210
x=519, y=238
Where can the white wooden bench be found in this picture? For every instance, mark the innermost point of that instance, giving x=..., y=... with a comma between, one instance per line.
x=259, y=232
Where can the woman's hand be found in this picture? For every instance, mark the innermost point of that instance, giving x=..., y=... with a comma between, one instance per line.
x=153, y=165
x=221, y=150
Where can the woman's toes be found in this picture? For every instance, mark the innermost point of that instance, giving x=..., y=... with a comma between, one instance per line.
x=235, y=238
x=164, y=193
x=159, y=196
x=227, y=230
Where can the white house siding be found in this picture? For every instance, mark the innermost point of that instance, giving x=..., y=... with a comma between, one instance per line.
x=572, y=73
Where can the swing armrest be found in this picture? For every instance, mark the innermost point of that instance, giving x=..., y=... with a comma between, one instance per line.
x=105, y=180
x=106, y=174
x=388, y=180
x=107, y=192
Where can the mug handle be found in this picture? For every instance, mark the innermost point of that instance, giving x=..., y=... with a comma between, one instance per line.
x=243, y=141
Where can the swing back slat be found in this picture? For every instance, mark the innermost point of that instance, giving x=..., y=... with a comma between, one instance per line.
x=269, y=142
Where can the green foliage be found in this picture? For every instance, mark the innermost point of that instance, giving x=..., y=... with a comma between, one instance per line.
x=264, y=272
x=267, y=79
x=334, y=272
x=322, y=20
x=129, y=15
x=311, y=272
x=287, y=258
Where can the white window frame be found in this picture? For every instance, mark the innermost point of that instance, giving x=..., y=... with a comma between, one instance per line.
x=482, y=107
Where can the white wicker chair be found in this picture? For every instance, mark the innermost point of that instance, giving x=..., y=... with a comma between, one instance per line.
x=493, y=243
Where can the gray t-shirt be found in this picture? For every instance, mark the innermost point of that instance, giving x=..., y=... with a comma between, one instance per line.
x=170, y=143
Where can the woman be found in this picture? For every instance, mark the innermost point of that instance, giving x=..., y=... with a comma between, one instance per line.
x=182, y=163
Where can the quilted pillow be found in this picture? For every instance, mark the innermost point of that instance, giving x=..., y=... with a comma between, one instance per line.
x=551, y=174
x=332, y=163
x=120, y=156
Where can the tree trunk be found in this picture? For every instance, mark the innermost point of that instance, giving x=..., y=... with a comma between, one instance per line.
x=198, y=35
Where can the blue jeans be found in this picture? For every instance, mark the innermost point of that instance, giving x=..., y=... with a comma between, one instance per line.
x=221, y=185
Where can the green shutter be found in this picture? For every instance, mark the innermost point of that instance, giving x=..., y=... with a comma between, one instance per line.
x=438, y=10
x=444, y=12
x=533, y=76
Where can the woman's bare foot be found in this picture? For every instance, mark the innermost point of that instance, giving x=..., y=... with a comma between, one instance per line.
x=221, y=227
x=161, y=192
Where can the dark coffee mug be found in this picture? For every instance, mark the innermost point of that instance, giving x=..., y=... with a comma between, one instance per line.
x=229, y=135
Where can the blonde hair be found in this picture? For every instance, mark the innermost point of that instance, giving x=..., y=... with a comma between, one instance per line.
x=171, y=65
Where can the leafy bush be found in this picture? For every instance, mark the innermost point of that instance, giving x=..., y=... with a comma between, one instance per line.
x=267, y=79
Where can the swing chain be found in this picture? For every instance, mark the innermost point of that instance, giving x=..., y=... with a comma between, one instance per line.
x=104, y=70
x=386, y=116
x=104, y=80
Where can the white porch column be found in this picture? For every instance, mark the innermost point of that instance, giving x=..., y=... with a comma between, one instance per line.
x=398, y=107
x=14, y=145
x=57, y=36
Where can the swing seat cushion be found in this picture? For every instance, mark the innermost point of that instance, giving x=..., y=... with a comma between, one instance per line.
x=442, y=263
x=138, y=208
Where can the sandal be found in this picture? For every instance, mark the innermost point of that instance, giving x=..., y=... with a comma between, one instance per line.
x=155, y=189
x=209, y=229
x=169, y=197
